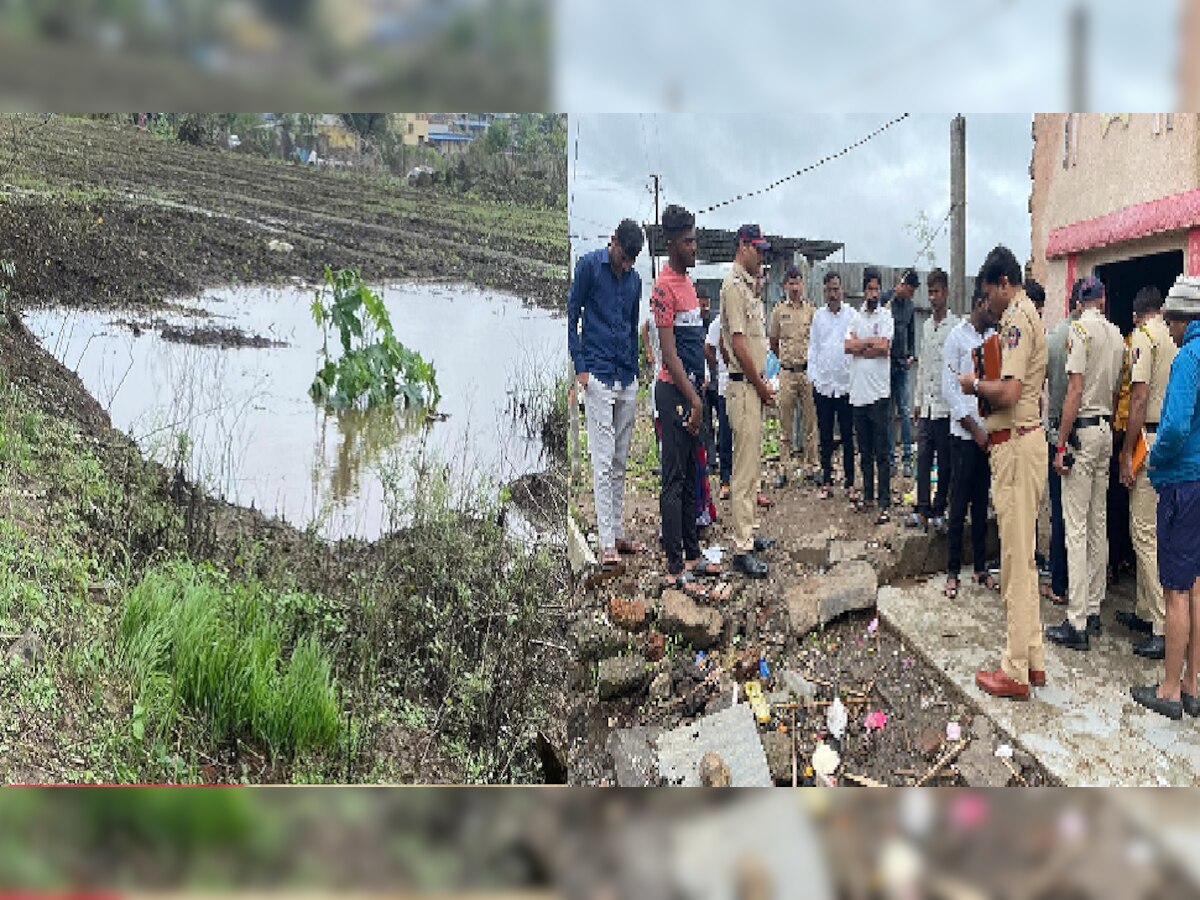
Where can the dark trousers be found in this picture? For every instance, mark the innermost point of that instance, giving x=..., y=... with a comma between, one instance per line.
x=1120, y=538
x=871, y=428
x=970, y=477
x=724, y=441
x=1058, y=533
x=829, y=411
x=677, y=498
x=933, y=439
x=708, y=430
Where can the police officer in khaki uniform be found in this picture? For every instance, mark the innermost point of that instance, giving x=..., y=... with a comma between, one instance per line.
x=743, y=331
x=1151, y=353
x=791, y=323
x=1017, y=452
x=1095, y=354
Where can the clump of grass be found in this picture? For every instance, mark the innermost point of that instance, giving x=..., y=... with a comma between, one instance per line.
x=199, y=645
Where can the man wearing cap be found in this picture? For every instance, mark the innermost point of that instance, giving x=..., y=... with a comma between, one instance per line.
x=868, y=341
x=791, y=325
x=931, y=410
x=743, y=331
x=1017, y=455
x=606, y=293
x=903, y=355
x=1150, y=356
x=1174, y=464
x=1095, y=351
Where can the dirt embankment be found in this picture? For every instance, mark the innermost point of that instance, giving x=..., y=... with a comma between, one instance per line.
x=96, y=213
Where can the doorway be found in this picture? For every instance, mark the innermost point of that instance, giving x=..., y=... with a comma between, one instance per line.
x=1122, y=280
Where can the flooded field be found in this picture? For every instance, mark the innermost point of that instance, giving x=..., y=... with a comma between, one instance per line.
x=219, y=386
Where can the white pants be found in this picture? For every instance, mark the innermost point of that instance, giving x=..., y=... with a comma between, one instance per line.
x=610, y=415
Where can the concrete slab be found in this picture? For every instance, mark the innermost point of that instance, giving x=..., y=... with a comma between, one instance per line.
x=731, y=733
x=1083, y=726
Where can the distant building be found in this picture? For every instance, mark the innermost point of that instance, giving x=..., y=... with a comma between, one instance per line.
x=413, y=128
x=449, y=142
x=1115, y=196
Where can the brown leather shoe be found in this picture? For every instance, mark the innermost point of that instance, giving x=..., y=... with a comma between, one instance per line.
x=998, y=684
x=1037, y=677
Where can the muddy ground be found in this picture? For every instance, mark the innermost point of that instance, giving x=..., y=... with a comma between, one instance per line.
x=100, y=213
x=94, y=215
x=872, y=667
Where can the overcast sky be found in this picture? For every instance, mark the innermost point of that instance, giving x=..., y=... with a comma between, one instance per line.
x=864, y=199
x=861, y=55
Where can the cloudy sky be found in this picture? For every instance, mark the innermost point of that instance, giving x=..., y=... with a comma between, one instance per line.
x=865, y=199
x=862, y=55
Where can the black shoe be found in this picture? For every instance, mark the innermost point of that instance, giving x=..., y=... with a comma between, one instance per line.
x=1093, y=625
x=781, y=481
x=1153, y=647
x=1134, y=622
x=1068, y=636
x=749, y=564
x=1147, y=695
x=1191, y=705
x=763, y=544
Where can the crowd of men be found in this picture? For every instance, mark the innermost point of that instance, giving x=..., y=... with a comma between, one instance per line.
x=1077, y=410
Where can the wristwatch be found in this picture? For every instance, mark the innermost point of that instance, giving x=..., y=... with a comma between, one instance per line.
x=975, y=387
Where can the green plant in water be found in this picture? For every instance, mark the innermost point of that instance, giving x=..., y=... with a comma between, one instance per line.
x=374, y=368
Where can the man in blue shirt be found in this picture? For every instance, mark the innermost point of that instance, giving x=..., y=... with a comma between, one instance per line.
x=1174, y=469
x=606, y=294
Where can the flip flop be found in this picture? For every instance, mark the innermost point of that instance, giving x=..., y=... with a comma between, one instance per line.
x=883, y=518
x=688, y=583
x=825, y=493
x=987, y=581
x=630, y=547
x=764, y=501
x=951, y=590
x=724, y=495
x=705, y=569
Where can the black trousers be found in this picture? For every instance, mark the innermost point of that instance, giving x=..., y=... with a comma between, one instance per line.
x=677, y=498
x=971, y=478
x=871, y=428
x=933, y=440
x=1120, y=538
x=708, y=425
x=829, y=411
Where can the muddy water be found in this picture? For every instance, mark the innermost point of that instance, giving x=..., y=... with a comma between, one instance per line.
x=241, y=422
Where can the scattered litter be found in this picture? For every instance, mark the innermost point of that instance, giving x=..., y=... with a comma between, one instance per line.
x=279, y=246
x=804, y=689
x=701, y=659
x=714, y=554
x=764, y=670
x=1004, y=751
x=758, y=703
x=825, y=760
x=954, y=731
x=874, y=626
x=875, y=720
x=836, y=718
x=969, y=810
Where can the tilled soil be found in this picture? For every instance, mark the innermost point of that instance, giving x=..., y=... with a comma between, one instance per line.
x=99, y=213
x=871, y=666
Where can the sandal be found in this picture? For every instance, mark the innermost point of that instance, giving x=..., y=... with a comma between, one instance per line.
x=690, y=585
x=764, y=501
x=951, y=590
x=724, y=495
x=825, y=493
x=985, y=580
x=883, y=518
x=703, y=568
x=629, y=547
x=721, y=593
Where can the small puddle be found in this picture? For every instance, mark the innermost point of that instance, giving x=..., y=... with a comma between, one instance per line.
x=241, y=419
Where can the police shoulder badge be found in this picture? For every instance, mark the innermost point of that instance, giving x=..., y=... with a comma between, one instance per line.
x=1013, y=336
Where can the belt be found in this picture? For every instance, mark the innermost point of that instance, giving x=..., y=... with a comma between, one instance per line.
x=736, y=376
x=1151, y=427
x=800, y=368
x=1089, y=421
x=996, y=438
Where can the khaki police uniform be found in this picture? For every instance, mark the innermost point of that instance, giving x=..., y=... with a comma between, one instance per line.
x=791, y=324
x=1018, y=460
x=1095, y=350
x=1151, y=353
x=743, y=313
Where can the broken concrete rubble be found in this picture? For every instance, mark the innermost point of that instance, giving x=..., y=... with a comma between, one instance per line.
x=816, y=601
x=622, y=675
x=698, y=625
x=731, y=734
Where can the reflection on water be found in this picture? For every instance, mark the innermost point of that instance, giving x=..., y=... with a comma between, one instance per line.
x=241, y=422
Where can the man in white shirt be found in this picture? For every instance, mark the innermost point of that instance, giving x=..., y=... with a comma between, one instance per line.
x=712, y=352
x=829, y=371
x=869, y=343
x=930, y=413
x=970, y=474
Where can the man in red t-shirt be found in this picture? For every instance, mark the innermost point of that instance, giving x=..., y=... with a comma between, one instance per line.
x=680, y=325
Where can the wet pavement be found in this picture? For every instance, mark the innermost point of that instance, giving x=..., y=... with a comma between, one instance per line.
x=1083, y=726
